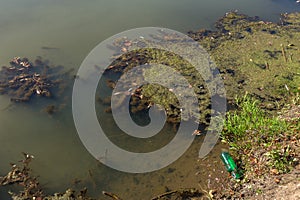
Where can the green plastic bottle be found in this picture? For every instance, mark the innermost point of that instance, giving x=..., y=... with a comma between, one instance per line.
x=230, y=165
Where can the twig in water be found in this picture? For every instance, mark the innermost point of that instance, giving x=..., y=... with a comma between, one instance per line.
x=109, y=194
x=283, y=53
x=164, y=194
x=267, y=65
x=183, y=193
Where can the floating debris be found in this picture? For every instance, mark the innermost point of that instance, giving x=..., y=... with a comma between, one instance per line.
x=21, y=175
x=111, y=195
x=23, y=80
x=185, y=193
x=230, y=165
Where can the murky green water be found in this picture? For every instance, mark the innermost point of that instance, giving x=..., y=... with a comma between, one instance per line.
x=72, y=29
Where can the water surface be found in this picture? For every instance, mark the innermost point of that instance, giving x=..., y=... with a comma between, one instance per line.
x=69, y=30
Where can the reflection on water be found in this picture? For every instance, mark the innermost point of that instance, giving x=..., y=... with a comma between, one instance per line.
x=64, y=32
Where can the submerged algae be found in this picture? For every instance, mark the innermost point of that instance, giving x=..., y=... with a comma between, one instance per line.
x=156, y=68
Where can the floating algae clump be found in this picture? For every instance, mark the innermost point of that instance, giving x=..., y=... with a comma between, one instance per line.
x=23, y=80
x=159, y=66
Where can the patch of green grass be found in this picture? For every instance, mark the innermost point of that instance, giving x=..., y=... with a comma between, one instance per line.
x=280, y=159
x=262, y=143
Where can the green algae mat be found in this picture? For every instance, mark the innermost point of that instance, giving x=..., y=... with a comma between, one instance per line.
x=252, y=56
x=261, y=58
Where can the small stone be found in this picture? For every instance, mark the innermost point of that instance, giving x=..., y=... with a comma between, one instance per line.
x=274, y=171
